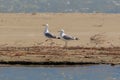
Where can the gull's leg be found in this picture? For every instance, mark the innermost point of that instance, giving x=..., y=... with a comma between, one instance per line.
x=46, y=40
x=65, y=43
x=42, y=43
x=49, y=39
x=52, y=42
x=65, y=46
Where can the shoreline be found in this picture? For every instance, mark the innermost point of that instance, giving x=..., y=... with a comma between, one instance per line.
x=41, y=55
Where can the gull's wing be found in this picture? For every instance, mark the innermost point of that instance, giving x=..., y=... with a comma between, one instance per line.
x=67, y=37
x=49, y=35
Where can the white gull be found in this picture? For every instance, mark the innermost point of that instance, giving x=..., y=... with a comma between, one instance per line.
x=48, y=34
x=66, y=37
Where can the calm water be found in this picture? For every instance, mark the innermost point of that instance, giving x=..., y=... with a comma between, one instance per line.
x=92, y=72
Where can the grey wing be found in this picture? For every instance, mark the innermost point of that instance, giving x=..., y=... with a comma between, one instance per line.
x=68, y=37
x=49, y=35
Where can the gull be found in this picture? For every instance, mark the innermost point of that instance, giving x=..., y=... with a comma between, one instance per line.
x=48, y=34
x=66, y=37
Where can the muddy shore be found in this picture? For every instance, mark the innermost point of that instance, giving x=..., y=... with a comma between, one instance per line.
x=41, y=55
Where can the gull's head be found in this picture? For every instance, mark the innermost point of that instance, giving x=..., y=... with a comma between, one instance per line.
x=62, y=31
x=45, y=25
x=46, y=28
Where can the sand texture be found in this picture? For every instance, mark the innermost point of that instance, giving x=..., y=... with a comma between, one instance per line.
x=98, y=33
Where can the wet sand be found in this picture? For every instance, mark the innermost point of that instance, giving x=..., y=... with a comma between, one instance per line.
x=37, y=55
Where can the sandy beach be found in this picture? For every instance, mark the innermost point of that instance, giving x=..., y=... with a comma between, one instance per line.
x=22, y=39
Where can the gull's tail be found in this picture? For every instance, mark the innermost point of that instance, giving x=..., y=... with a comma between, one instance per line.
x=76, y=38
x=54, y=37
x=57, y=37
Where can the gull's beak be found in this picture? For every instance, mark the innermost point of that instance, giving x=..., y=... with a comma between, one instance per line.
x=59, y=31
x=44, y=25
